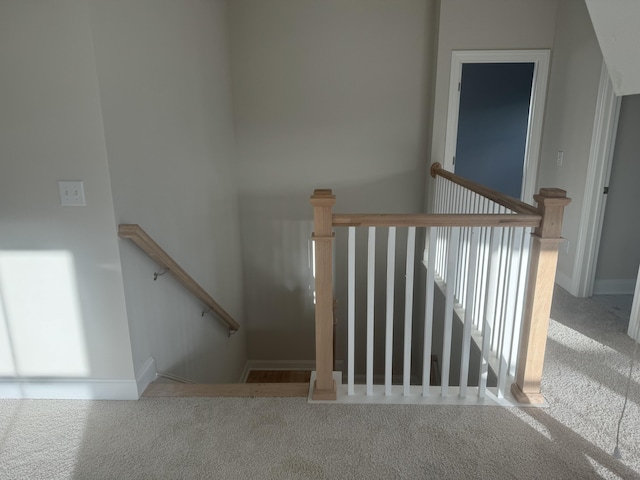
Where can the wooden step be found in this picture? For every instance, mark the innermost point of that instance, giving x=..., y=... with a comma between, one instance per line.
x=227, y=390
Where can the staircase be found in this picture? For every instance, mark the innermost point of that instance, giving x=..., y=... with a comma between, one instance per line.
x=485, y=280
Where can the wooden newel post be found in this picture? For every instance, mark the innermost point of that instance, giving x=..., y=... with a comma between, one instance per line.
x=323, y=201
x=542, y=272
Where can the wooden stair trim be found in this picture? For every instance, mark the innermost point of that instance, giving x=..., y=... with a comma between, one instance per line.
x=228, y=390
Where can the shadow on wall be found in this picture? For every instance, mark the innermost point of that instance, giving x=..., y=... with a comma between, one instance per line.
x=167, y=322
x=278, y=277
x=277, y=260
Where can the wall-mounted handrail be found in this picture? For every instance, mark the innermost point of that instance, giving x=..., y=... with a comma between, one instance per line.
x=138, y=236
x=505, y=200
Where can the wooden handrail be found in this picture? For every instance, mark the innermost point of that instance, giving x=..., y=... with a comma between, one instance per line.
x=435, y=220
x=498, y=197
x=138, y=236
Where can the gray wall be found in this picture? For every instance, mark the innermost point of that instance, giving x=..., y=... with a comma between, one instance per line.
x=619, y=254
x=62, y=305
x=571, y=102
x=163, y=69
x=328, y=94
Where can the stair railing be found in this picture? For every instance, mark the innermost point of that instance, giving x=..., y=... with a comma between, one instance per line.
x=138, y=236
x=478, y=251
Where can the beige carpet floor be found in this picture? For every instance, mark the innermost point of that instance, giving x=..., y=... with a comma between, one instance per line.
x=166, y=438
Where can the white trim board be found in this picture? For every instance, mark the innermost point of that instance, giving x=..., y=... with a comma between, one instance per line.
x=624, y=286
x=603, y=138
x=69, y=389
x=147, y=375
x=634, y=318
x=540, y=59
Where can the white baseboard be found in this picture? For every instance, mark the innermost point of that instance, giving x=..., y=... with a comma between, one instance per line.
x=147, y=375
x=68, y=389
x=245, y=373
x=624, y=286
x=281, y=365
x=565, y=282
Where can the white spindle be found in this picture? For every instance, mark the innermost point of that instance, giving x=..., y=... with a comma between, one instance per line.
x=481, y=293
x=522, y=288
x=490, y=310
x=351, y=327
x=428, y=313
x=391, y=266
x=484, y=265
x=408, y=309
x=458, y=284
x=444, y=234
x=464, y=263
x=510, y=309
x=505, y=278
x=438, y=245
x=371, y=275
x=447, y=242
x=468, y=313
x=500, y=290
x=448, y=309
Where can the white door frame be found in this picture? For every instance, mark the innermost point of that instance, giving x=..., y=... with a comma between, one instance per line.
x=603, y=139
x=540, y=59
x=634, y=319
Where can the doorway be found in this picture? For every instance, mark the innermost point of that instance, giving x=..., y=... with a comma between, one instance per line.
x=494, y=123
x=618, y=255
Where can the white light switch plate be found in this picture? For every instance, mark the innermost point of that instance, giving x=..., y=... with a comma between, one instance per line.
x=72, y=193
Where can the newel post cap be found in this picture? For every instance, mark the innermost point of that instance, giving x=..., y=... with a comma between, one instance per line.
x=551, y=203
x=554, y=197
x=323, y=197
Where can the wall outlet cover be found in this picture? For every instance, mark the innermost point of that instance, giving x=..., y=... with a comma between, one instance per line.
x=72, y=193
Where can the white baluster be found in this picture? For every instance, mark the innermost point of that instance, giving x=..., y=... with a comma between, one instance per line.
x=481, y=296
x=500, y=291
x=522, y=288
x=428, y=314
x=490, y=308
x=408, y=309
x=391, y=266
x=512, y=293
x=448, y=309
x=371, y=275
x=351, y=328
x=497, y=292
x=468, y=313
